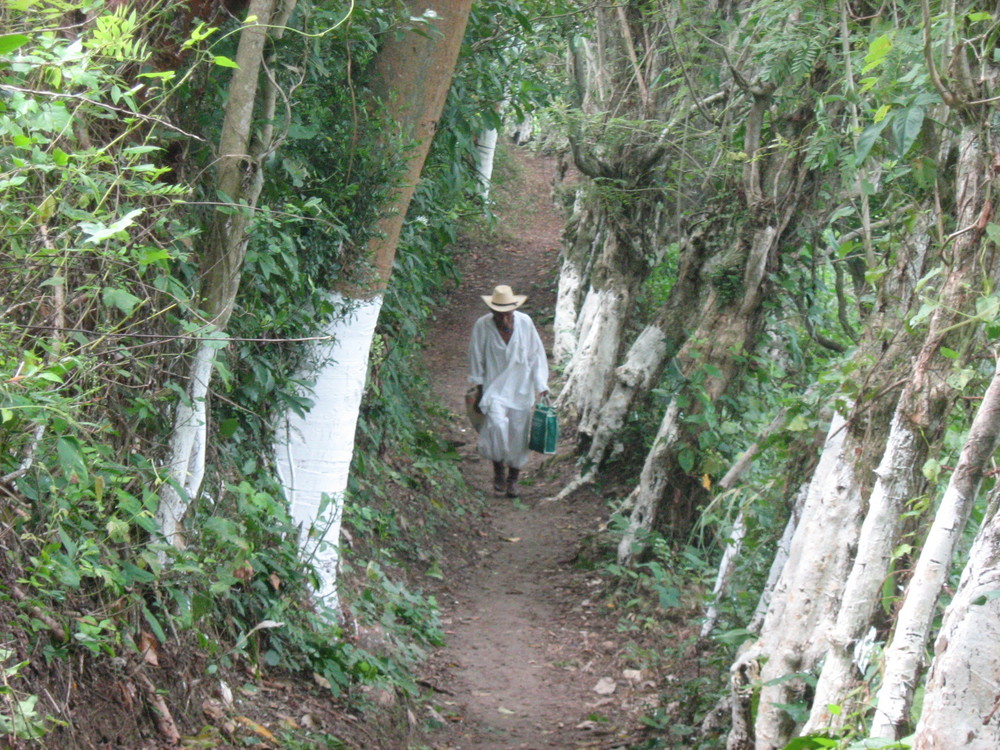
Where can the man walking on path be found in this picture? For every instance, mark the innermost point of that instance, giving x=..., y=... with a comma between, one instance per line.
x=507, y=362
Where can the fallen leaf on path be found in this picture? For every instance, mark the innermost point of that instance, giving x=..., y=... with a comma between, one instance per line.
x=505, y=711
x=148, y=646
x=213, y=709
x=321, y=681
x=512, y=539
x=605, y=686
x=633, y=675
x=256, y=728
x=309, y=721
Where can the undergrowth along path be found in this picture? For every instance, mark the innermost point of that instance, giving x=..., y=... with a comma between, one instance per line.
x=533, y=659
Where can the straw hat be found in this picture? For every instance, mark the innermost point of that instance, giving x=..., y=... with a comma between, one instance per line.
x=503, y=299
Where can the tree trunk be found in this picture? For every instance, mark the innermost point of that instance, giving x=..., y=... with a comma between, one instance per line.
x=817, y=562
x=913, y=623
x=670, y=488
x=961, y=698
x=577, y=255
x=917, y=425
x=615, y=280
x=615, y=235
x=805, y=602
x=486, y=149
x=240, y=179
x=413, y=75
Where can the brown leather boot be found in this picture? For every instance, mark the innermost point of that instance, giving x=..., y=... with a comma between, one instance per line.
x=498, y=477
x=512, y=475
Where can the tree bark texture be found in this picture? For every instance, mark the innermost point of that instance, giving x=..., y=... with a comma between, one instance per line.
x=240, y=178
x=961, y=699
x=904, y=655
x=618, y=216
x=413, y=76
x=669, y=494
x=805, y=602
x=577, y=256
x=627, y=247
x=917, y=425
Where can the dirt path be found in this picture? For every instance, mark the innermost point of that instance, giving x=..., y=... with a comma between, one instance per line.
x=526, y=646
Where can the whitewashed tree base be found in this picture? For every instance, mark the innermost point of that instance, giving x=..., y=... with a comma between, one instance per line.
x=314, y=452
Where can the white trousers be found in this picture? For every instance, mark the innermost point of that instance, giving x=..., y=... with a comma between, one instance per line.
x=504, y=436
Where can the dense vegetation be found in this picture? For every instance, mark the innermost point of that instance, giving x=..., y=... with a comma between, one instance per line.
x=779, y=278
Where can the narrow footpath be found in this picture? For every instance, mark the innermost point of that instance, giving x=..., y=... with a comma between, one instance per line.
x=533, y=659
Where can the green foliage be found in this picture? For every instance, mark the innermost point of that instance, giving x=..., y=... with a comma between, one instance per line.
x=19, y=717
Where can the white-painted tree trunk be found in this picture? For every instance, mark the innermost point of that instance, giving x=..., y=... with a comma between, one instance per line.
x=185, y=468
x=577, y=259
x=904, y=656
x=781, y=553
x=643, y=363
x=240, y=177
x=805, y=601
x=961, y=698
x=486, y=149
x=599, y=336
x=314, y=452
x=645, y=498
x=571, y=280
x=732, y=552
x=897, y=477
x=735, y=544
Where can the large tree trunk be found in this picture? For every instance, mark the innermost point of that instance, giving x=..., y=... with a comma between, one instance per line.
x=648, y=356
x=627, y=248
x=614, y=237
x=413, y=75
x=917, y=425
x=239, y=177
x=913, y=623
x=576, y=258
x=670, y=488
x=961, y=697
x=804, y=604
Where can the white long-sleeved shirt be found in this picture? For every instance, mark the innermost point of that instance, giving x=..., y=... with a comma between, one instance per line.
x=511, y=373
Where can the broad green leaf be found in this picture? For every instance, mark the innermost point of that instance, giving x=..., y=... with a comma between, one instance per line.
x=225, y=62
x=10, y=42
x=71, y=457
x=993, y=232
x=931, y=469
x=868, y=138
x=877, y=52
x=906, y=125
x=798, y=424
x=123, y=300
x=989, y=596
